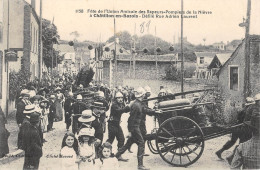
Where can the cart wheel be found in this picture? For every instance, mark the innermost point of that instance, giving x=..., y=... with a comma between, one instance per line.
x=180, y=141
x=152, y=146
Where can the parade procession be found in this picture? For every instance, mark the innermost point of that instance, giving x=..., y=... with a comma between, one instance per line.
x=110, y=85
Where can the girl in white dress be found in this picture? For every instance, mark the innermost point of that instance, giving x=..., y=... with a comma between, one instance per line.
x=69, y=151
x=86, y=148
x=107, y=161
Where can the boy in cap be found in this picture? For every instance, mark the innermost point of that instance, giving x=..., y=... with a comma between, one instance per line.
x=33, y=145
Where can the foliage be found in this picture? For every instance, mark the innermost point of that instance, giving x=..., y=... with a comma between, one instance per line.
x=124, y=39
x=85, y=76
x=16, y=81
x=172, y=73
x=50, y=36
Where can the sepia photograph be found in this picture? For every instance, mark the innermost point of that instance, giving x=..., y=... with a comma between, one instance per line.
x=129, y=84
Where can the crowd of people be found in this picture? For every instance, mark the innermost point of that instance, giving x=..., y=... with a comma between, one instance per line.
x=85, y=112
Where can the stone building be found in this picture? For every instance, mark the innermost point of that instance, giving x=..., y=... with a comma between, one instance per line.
x=231, y=78
x=19, y=32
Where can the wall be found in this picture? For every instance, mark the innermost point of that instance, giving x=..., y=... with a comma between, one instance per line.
x=34, y=49
x=255, y=67
x=143, y=70
x=16, y=20
x=232, y=100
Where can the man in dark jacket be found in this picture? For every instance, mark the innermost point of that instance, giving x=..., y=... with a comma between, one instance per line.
x=33, y=144
x=137, y=110
x=114, y=129
x=25, y=127
x=19, y=113
x=21, y=106
x=76, y=111
x=52, y=113
x=242, y=133
x=67, y=109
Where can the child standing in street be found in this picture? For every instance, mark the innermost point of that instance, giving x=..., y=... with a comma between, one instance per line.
x=69, y=151
x=107, y=159
x=86, y=148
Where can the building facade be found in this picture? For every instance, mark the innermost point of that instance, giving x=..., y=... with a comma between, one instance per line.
x=231, y=78
x=20, y=34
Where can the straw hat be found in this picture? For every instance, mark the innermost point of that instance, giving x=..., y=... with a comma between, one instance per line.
x=57, y=89
x=249, y=101
x=25, y=92
x=86, y=116
x=79, y=97
x=119, y=95
x=52, y=96
x=257, y=97
x=29, y=109
x=87, y=132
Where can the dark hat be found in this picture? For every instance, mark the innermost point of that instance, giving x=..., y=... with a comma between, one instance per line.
x=37, y=97
x=43, y=89
x=98, y=105
x=44, y=101
x=35, y=117
x=254, y=122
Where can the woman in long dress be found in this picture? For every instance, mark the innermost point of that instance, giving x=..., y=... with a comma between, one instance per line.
x=59, y=104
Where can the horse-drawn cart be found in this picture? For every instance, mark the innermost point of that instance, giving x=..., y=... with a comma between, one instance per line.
x=180, y=138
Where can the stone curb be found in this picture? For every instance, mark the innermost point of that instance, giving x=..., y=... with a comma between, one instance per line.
x=12, y=156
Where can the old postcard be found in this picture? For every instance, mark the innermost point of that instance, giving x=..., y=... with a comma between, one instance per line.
x=137, y=84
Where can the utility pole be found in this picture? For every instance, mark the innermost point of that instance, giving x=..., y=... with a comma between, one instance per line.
x=115, y=83
x=156, y=62
x=182, y=63
x=247, y=87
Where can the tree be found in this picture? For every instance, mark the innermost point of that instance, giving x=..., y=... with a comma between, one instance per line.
x=125, y=39
x=50, y=37
x=75, y=34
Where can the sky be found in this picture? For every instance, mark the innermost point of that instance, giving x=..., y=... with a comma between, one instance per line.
x=220, y=25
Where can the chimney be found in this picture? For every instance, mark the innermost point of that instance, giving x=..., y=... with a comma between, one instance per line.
x=33, y=4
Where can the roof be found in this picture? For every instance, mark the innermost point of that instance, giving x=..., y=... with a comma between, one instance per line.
x=160, y=58
x=205, y=54
x=64, y=48
x=234, y=54
x=221, y=58
x=118, y=47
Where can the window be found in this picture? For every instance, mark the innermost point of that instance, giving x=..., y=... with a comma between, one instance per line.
x=201, y=60
x=233, y=78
